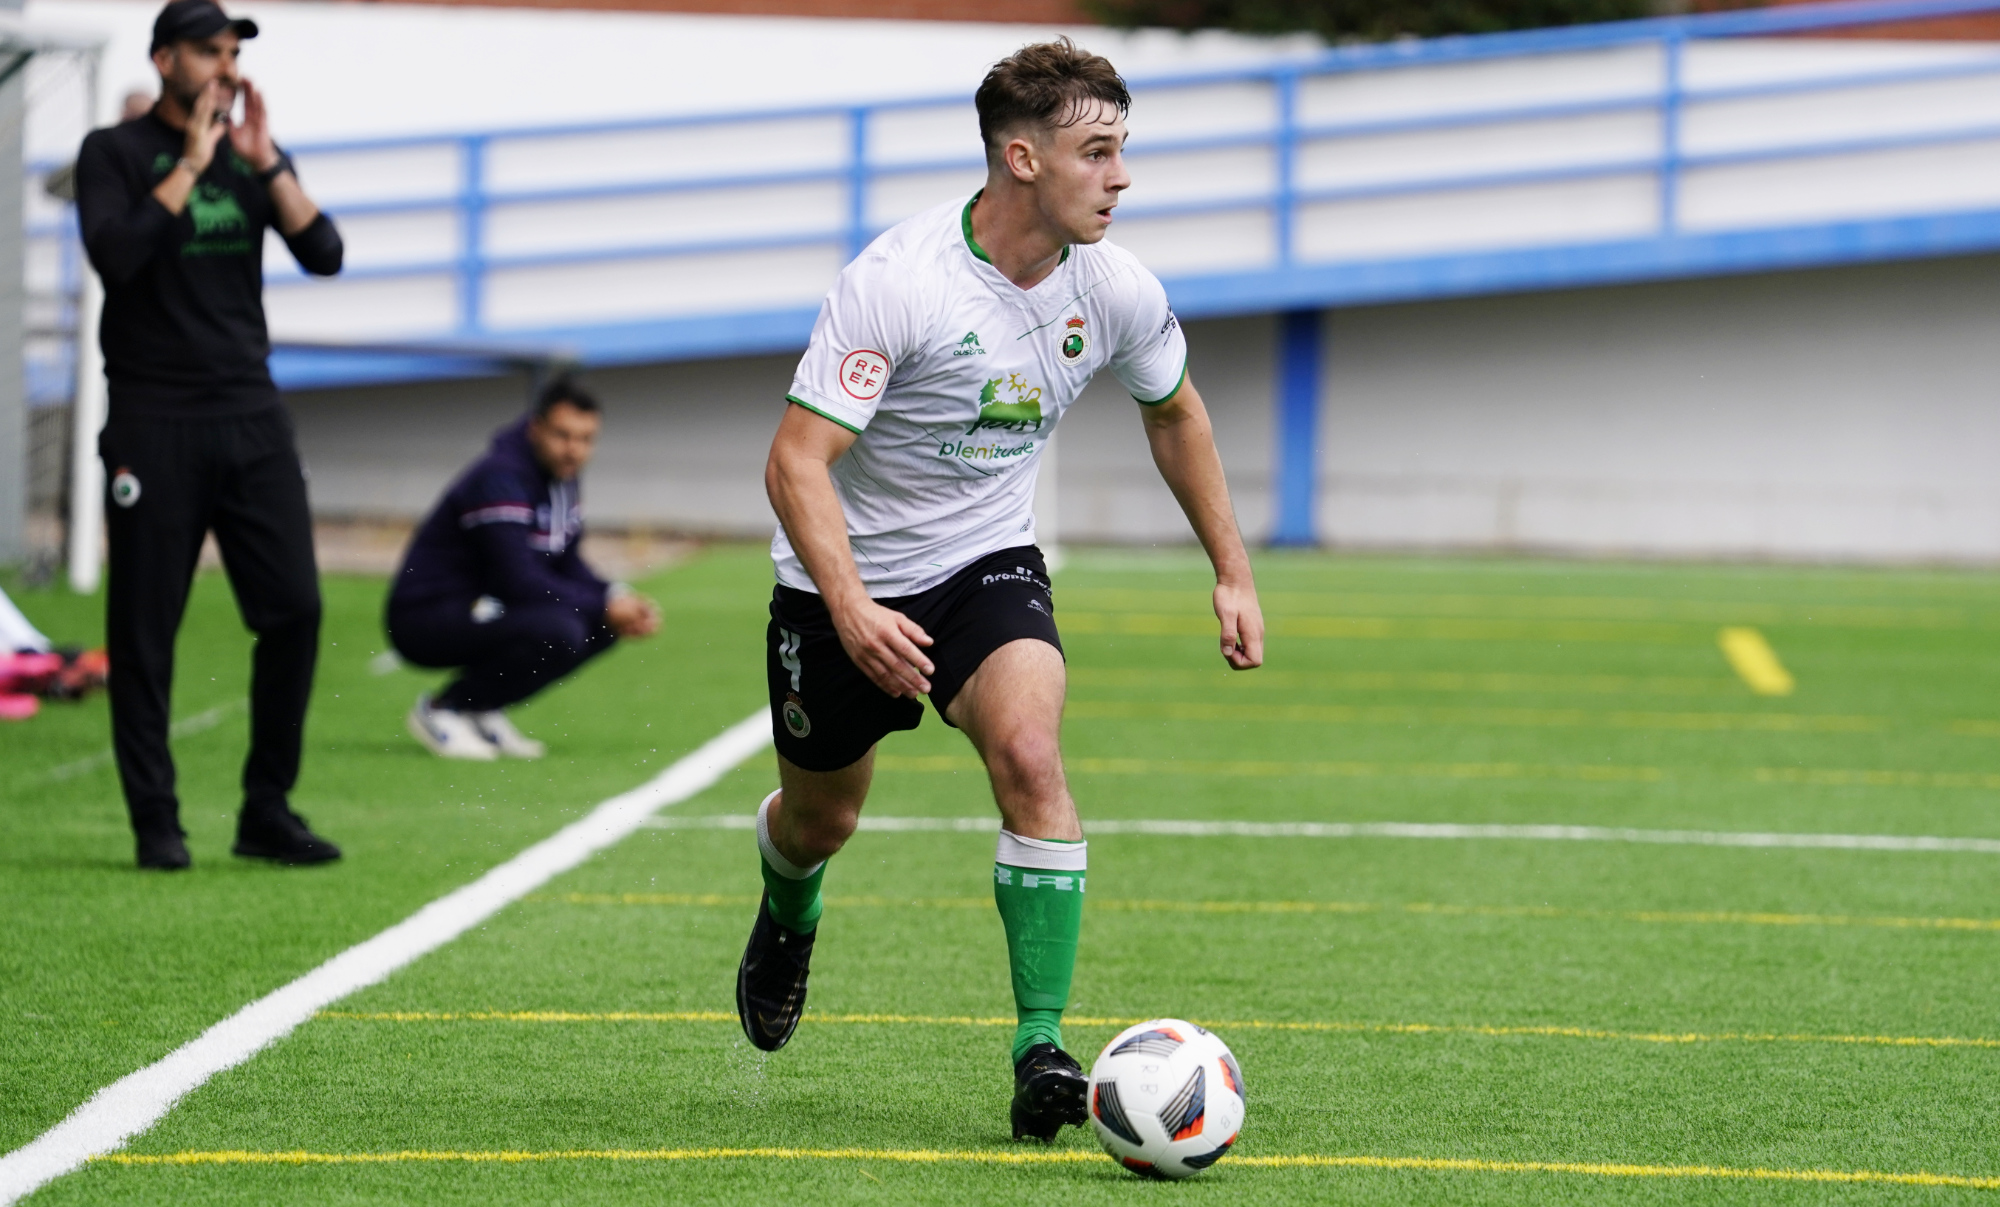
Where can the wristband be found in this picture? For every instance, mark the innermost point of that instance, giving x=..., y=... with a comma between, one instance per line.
x=185, y=162
x=271, y=173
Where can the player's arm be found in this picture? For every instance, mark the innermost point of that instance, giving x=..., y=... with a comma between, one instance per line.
x=883, y=642
x=1184, y=449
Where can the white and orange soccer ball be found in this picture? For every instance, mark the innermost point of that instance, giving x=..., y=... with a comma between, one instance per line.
x=1166, y=1098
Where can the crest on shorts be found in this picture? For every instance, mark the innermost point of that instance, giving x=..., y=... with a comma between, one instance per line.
x=1075, y=340
x=796, y=722
x=125, y=487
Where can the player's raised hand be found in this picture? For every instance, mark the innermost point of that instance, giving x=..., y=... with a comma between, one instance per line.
x=1242, y=626
x=203, y=130
x=884, y=644
x=252, y=136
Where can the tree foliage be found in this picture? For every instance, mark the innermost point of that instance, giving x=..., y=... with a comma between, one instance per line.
x=1364, y=20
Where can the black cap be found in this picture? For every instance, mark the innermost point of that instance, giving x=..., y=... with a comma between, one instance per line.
x=192, y=20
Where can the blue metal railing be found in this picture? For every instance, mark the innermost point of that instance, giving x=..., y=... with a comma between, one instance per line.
x=1291, y=278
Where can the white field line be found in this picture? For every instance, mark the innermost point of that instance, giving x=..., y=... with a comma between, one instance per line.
x=135, y=1102
x=200, y=722
x=1397, y=829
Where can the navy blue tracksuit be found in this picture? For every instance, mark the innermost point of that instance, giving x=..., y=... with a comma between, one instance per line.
x=504, y=532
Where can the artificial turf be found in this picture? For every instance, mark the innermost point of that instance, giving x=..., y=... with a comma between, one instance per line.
x=1479, y=1001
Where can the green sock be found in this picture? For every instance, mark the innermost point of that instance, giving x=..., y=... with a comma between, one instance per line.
x=1042, y=910
x=795, y=902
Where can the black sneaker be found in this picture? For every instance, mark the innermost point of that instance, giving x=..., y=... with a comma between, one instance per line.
x=771, y=981
x=164, y=851
x=282, y=837
x=1049, y=1091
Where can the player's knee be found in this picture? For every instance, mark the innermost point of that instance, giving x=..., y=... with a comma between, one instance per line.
x=821, y=835
x=1027, y=760
x=298, y=615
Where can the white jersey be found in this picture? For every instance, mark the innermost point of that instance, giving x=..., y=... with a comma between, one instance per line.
x=955, y=377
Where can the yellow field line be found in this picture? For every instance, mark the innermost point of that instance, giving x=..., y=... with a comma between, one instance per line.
x=1546, y=718
x=1493, y=682
x=1170, y=906
x=1588, y=772
x=922, y=1156
x=1339, y=1028
x=1528, y=607
x=1264, y=768
x=1754, y=661
x=1384, y=628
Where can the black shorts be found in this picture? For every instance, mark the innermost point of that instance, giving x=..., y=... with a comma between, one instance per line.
x=826, y=714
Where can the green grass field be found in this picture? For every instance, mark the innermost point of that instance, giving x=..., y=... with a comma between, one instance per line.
x=1435, y=1014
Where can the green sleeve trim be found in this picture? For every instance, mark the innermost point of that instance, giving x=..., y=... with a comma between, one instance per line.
x=834, y=419
x=1155, y=402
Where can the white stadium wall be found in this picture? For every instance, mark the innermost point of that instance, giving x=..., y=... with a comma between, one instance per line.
x=1842, y=414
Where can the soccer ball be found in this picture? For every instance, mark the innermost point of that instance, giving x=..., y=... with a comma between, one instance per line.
x=1166, y=1098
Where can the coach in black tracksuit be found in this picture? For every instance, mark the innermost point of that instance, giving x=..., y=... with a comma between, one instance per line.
x=174, y=206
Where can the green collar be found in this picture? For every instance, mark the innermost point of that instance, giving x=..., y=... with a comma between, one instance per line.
x=972, y=244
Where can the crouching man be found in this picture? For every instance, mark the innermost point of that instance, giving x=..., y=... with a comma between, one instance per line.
x=494, y=586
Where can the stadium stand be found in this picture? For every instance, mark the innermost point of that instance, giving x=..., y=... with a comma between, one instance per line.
x=1452, y=215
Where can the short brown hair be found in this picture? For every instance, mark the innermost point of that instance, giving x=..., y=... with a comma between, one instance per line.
x=1047, y=83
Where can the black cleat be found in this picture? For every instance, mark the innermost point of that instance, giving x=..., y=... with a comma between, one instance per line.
x=1049, y=1091
x=771, y=981
x=164, y=851
x=281, y=837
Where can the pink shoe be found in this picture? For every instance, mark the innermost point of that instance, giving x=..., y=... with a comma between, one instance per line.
x=18, y=708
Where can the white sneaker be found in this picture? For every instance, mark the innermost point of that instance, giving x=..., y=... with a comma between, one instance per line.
x=449, y=734
x=501, y=734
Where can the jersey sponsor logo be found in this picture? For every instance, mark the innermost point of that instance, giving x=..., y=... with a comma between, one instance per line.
x=969, y=346
x=1075, y=340
x=1020, y=413
x=1170, y=324
x=863, y=373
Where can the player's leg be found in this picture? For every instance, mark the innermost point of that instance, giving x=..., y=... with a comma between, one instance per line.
x=1011, y=709
x=155, y=517
x=799, y=828
x=826, y=718
x=263, y=526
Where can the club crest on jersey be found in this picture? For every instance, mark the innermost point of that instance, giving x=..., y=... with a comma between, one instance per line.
x=1023, y=413
x=1075, y=340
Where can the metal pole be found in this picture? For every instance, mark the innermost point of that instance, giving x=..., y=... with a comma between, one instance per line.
x=472, y=260
x=1670, y=134
x=857, y=184
x=1296, y=460
x=1285, y=215
x=86, y=476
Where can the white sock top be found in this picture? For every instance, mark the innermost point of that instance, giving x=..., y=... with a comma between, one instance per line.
x=1042, y=854
x=778, y=863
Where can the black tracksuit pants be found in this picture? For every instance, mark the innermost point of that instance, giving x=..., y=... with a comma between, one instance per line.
x=503, y=661
x=168, y=482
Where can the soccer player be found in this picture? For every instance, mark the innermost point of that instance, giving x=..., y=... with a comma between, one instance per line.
x=494, y=583
x=903, y=475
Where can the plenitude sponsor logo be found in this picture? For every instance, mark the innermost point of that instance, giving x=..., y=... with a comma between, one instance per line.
x=984, y=452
